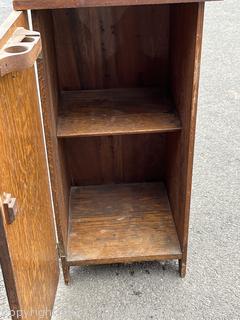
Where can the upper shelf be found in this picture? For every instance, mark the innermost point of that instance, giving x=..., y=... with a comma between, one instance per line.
x=55, y=4
x=115, y=112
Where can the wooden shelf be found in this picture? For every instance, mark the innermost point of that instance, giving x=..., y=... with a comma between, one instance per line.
x=115, y=112
x=121, y=223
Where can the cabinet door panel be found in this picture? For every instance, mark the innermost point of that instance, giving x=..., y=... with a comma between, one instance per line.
x=28, y=252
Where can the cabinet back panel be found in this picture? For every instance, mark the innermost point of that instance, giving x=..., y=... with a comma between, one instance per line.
x=115, y=159
x=112, y=47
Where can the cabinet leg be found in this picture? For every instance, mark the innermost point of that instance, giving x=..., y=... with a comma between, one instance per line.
x=66, y=271
x=182, y=267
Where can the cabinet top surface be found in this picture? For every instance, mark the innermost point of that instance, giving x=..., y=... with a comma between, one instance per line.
x=55, y=4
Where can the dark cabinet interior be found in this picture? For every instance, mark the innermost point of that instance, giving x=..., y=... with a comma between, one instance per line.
x=119, y=91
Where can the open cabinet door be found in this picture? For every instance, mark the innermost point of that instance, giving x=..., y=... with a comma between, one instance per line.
x=28, y=253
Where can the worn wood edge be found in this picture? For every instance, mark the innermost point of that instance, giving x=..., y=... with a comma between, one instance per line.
x=55, y=4
x=6, y=27
x=11, y=62
x=43, y=86
x=12, y=35
x=8, y=273
x=61, y=135
x=193, y=117
x=73, y=262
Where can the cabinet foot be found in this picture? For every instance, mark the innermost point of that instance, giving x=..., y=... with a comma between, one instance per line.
x=182, y=267
x=66, y=272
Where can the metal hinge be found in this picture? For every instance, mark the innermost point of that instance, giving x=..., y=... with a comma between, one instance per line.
x=60, y=251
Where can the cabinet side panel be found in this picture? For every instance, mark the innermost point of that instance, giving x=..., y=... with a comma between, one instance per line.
x=42, y=21
x=186, y=38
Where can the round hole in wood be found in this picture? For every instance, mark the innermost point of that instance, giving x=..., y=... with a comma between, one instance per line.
x=28, y=39
x=16, y=49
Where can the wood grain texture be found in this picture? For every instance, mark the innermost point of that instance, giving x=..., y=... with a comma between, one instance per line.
x=115, y=159
x=121, y=223
x=54, y=4
x=114, y=47
x=48, y=81
x=8, y=270
x=31, y=256
x=116, y=112
x=186, y=39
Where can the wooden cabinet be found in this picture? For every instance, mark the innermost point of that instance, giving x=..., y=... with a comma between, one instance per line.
x=118, y=83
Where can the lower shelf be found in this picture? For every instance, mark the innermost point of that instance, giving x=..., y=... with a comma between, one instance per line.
x=121, y=223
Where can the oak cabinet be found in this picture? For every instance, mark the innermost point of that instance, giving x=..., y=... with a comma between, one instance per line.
x=118, y=82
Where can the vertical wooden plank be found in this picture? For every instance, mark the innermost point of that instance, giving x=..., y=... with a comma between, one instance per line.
x=48, y=79
x=186, y=39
